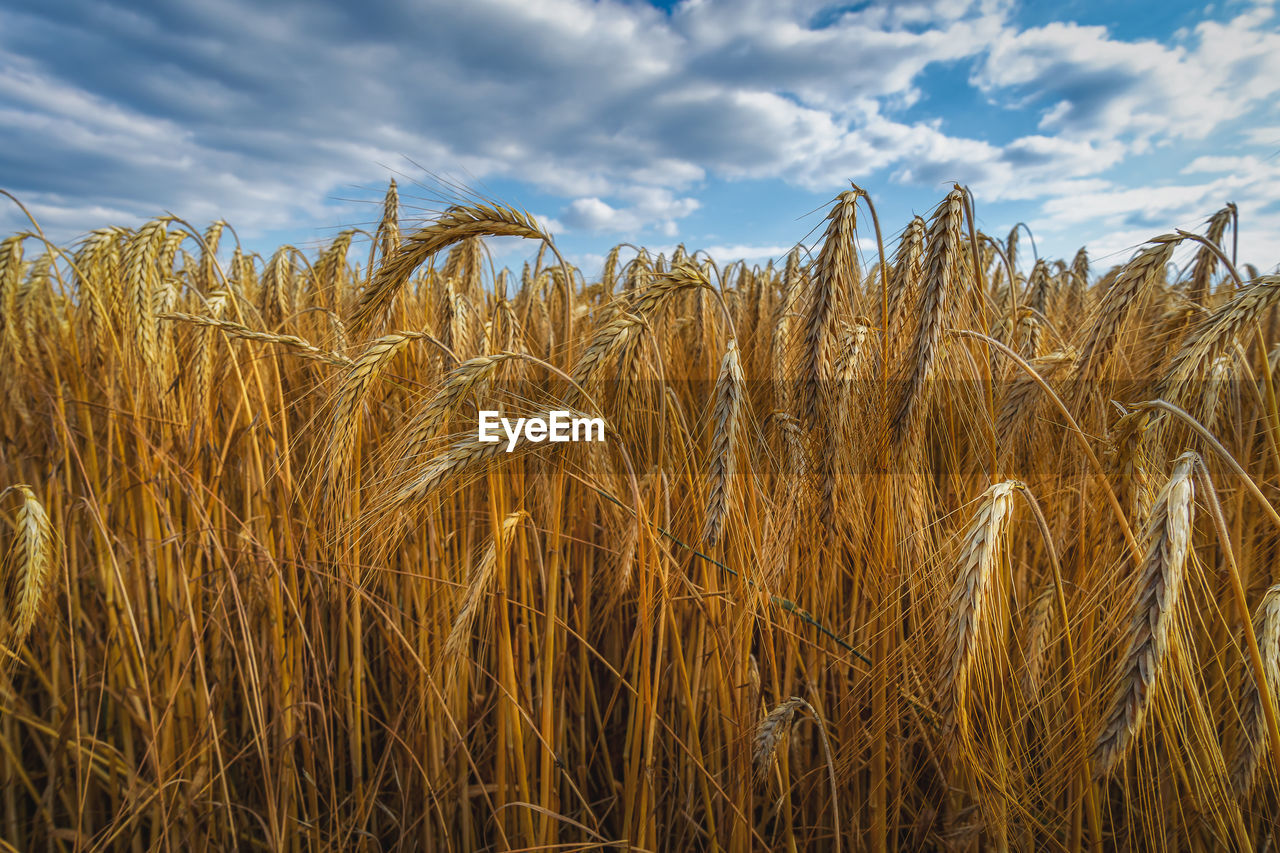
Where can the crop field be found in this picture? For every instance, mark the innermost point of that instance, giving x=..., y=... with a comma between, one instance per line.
x=912, y=540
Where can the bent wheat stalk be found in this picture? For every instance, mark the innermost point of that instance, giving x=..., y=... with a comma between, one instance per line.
x=455, y=225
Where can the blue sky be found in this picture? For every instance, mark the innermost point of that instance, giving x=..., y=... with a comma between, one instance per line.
x=723, y=124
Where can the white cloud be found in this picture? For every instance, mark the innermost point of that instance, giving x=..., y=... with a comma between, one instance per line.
x=262, y=113
x=1124, y=217
x=1269, y=135
x=745, y=252
x=1092, y=86
x=649, y=207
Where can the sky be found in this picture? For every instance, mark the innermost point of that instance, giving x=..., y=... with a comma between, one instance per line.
x=725, y=125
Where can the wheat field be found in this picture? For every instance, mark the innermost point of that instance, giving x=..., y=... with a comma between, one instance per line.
x=914, y=541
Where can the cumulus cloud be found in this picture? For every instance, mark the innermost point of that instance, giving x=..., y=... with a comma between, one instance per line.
x=1090, y=85
x=1123, y=217
x=649, y=205
x=621, y=113
x=747, y=252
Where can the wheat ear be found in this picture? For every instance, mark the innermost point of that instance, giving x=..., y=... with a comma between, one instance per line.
x=461, y=381
x=1206, y=258
x=1119, y=302
x=1039, y=628
x=728, y=410
x=479, y=580
x=1215, y=332
x=464, y=457
x=769, y=734
x=33, y=560
x=355, y=387
x=1168, y=536
x=941, y=259
x=10, y=278
x=456, y=224
x=833, y=280
x=970, y=600
x=296, y=344
x=1253, y=736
